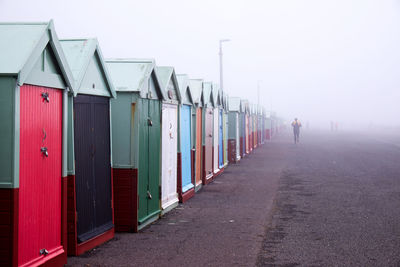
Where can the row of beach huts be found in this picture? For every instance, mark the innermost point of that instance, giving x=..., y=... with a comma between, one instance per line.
x=92, y=146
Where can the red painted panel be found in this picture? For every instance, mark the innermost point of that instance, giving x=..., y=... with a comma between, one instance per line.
x=125, y=199
x=8, y=215
x=232, y=150
x=187, y=195
x=179, y=176
x=40, y=176
x=267, y=134
x=71, y=216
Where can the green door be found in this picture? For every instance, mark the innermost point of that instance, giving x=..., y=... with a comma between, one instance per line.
x=149, y=160
x=154, y=156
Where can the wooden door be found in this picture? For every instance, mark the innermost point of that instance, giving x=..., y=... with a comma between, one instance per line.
x=225, y=122
x=169, y=155
x=154, y=145
x=221, y=139
x=199, y=147
x=143, y=171
x=92, y=166
x=237, y=129
x=185, y=132
x=208, y=142
x=39, y=221
x=247, y=133
x=216, y=140
x=243, y=132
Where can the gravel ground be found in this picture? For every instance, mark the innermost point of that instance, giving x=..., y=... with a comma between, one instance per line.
x=222, y=225
x=338, y=204
x=332, y=200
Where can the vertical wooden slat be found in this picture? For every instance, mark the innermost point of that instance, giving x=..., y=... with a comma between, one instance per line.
x=198, y=160
x=40, y=176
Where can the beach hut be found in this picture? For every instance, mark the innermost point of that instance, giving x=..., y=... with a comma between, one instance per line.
x=208, y=121
x=249, y=139
x=34, y=80
x=262, y=128
x=225, y=104
x=268, y=125
x=220, y=131
x=234, y=130
x=246, y=128
x=169, y=138
x=196, y=86
x=89, y=148
x=136, y=141
x=242, y=121
x=253, y=110
x=218, y=166
x=186, y=147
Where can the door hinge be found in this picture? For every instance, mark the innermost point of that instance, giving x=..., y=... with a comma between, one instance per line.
x=45, y=97
x=43, y=251
x=159, y=191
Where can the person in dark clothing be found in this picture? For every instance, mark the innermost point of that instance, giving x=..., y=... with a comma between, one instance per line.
x=296, y=130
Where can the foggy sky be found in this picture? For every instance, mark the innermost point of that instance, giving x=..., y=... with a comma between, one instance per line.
x=316, y=60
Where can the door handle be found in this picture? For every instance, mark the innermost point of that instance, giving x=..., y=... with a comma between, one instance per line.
x=149, y=196
x=149, y=122
x=44, y=151
x=46, y=97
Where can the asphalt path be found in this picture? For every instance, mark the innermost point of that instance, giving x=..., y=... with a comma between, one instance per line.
x=331, y=200
x=222, y=225
x=338, y=204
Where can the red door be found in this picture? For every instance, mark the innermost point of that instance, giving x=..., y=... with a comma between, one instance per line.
x=39, y=230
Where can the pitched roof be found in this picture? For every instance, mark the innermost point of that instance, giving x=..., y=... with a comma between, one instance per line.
x=196, y=86
x=130, y=75
x=234, y=104
x=184, y=87
x=166, y=74
x=207, y=96
x=79, y=53
x=23, y=43
x=216, y=96
x=245, y=105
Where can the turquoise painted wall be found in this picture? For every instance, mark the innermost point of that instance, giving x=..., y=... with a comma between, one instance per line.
x=8, y=139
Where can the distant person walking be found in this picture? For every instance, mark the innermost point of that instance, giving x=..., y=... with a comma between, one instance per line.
x=296, y=130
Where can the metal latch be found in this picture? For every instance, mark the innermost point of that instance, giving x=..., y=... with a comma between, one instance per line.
x=149, y=122
x=46, y=97
x=44, y=151
x=44, y=252
x=149, y=195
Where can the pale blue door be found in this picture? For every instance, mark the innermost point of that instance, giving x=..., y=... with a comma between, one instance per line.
x=243, y=132
x=185, y=148
x=221, y=141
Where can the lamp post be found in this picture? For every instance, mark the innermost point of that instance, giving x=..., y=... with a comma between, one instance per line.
x=221, y=82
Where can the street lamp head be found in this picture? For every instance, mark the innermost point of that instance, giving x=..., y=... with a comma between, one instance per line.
x=224, y=40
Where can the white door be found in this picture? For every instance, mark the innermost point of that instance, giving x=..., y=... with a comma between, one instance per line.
x=169, y=152
x=216, y=140
x=237, y=137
